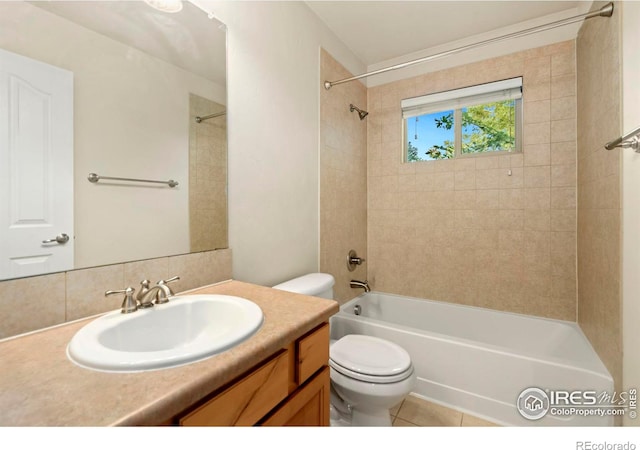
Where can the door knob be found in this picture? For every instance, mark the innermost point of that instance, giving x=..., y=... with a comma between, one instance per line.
x=59, y=239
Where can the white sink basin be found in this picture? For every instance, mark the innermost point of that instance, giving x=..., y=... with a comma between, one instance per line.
x=187, y=329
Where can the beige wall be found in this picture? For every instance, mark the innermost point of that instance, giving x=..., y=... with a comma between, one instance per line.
x=207, y=176
x=274, y=132
x=465, y=231
x=130, y=120
x=28, y=304
x=599, y=207
x=343, y=178
x=631, y=202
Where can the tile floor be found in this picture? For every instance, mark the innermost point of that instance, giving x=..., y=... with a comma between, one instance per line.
x=416, y=412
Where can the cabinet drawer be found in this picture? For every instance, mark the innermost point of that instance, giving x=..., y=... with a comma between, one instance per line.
x=309, y=406
x=312, y=353
x=247, y=401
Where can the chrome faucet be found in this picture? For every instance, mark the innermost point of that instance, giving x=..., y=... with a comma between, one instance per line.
x=161, y=291
x=360, y=284
x=144, y=288
x=159, y=294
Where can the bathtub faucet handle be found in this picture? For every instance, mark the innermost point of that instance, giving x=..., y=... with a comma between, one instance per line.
x=356, y=260
x=353, y=260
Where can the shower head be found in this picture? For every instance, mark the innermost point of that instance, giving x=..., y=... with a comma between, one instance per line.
x=361, y=112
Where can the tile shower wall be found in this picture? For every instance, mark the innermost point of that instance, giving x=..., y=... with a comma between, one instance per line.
x=599, y=205
x=343, y=178
x=208, y=227
x=490, y=231
x=28, y=304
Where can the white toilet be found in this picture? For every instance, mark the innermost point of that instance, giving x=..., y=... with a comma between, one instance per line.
x=369, y=375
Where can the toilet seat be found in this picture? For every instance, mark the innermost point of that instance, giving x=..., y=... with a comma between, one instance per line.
x=377, y=379
x=371, y=359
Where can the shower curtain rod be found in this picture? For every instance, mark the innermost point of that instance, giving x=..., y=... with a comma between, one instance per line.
x=605, y=11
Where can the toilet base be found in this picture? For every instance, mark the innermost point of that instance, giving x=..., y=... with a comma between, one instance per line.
x=377, y=418
x=338, y=419
x=374, y=418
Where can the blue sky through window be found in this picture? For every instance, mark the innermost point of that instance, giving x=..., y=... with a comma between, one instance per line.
x=428, y=134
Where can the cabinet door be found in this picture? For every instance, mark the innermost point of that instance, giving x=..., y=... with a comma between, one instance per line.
x=247, y=401
x=308, y=406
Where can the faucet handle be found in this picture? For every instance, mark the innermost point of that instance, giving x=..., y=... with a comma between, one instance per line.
x=144, y=288
x=129, y=304
x=163, y=299
x=170, y=280
x=353, y=260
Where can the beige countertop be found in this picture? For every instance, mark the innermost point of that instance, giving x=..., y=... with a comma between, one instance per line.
x=39, y=386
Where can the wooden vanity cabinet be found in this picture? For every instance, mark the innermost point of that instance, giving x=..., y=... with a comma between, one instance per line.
x=291, y=387
x=308, y=406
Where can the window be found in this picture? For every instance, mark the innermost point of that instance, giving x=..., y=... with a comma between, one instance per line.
x=463, y=122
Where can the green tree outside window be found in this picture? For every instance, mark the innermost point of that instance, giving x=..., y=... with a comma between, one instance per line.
x=484, y=128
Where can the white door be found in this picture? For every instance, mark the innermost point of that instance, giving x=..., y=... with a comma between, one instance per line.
x=36, y=167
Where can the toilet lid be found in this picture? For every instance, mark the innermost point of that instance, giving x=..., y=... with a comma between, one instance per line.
x=370, y=355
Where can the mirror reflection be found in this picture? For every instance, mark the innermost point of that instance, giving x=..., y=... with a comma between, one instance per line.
x=120, y=90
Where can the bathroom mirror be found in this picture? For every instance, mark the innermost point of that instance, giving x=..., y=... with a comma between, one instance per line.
x=111, y=88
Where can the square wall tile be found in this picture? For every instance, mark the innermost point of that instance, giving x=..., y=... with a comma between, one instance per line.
x=537, y=198
x=563, y=86
x=563, y=108
x=563, y=220
x=537, y=219
x=86, y=290
x=153, y=270
x=563, y=197
x=563, y=64
x=537, y=133
x=538, y=91
x=465, y=180
x=563, y=175
x=200, y=269
x=537, y=177
x=563, y=153
x=538, y=111
x=31, y=303
x=563, y=130
x=537, y=155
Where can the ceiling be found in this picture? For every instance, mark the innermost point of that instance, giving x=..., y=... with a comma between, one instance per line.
x=377, y=31
x=188, y=39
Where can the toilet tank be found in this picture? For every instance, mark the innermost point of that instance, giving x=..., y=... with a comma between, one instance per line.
x=316, y=284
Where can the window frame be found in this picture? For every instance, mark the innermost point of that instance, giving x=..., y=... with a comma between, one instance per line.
x=456, y=95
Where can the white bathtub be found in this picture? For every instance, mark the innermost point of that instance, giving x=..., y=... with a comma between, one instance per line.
x=479, y=360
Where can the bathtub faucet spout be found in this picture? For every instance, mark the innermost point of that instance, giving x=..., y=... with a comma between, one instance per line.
x=360, y=284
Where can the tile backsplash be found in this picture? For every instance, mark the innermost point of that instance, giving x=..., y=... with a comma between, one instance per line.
x=28, y=304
